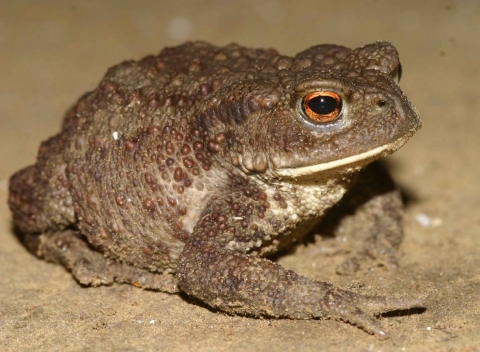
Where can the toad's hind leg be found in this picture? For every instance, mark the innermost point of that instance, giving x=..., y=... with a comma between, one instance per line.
x=39, y=197
x=43, y=212
x=90, y=267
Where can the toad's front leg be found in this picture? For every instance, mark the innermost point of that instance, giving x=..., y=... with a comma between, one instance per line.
x=240, y=283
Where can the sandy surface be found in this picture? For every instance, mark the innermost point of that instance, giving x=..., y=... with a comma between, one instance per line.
x=53, y=51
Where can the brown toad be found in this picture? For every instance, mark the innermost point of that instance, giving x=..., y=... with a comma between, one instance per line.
x=183, y=170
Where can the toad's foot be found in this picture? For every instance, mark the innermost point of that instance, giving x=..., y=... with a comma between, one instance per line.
x=90, y=267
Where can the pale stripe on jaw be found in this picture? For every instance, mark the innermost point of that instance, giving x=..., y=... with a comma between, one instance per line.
x=309, y=170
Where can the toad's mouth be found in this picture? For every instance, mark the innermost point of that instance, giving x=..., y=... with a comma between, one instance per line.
x=353, y=161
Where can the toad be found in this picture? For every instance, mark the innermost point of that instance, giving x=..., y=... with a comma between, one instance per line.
x=184, y=170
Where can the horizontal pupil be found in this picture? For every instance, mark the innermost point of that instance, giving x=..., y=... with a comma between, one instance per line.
x=322, y=105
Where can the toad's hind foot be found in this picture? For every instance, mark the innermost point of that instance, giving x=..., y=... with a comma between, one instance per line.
x=90, y=267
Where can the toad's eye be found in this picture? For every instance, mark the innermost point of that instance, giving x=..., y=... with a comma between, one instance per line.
x=322, y=107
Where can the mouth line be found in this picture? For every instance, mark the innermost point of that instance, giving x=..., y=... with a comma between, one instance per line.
x=312, y=169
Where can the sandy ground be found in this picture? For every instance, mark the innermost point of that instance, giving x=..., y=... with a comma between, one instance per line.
x=51, y=52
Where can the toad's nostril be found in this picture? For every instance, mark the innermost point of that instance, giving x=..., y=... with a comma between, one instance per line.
x=381, y=103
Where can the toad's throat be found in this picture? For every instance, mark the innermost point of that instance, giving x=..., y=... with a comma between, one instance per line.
x=351, y=160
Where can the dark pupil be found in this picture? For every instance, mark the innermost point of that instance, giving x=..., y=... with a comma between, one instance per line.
x=323, y=105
